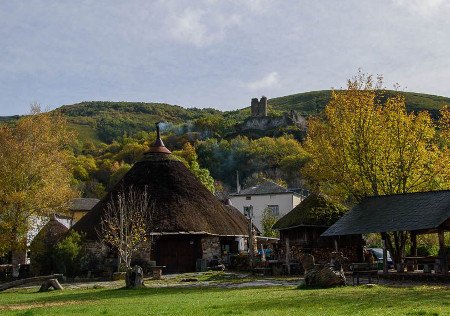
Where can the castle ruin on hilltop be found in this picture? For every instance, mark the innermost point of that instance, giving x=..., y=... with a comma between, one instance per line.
x=260, y=121
x=259, y=108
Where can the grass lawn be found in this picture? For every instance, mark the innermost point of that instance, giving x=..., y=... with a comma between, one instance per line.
x=377, y=300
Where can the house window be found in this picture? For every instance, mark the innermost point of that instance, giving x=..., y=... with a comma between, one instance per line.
x=274, y=209
x=248, y=211
x=248, y=197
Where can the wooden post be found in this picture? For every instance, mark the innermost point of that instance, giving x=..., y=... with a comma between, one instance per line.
x=385, y=266
x=250, y=242
x=288, y=256
x=443, y=252
x=414, y=249
x=336, y=246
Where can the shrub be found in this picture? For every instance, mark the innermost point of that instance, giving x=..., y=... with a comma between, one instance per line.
x=68, y=254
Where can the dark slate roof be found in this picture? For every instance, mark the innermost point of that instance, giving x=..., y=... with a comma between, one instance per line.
x=267, y=187
x=315, y=210
x=400, y=212
x=82, y=204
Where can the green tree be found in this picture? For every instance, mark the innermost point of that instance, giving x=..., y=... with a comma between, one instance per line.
x=189, y=158
x=366, y=144
x=35, y=174
x=267, y=221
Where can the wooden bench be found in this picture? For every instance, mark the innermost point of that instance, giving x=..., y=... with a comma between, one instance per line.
x=262, y=271
x=363, y=270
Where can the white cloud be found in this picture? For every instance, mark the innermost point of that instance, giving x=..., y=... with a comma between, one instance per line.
x=201, y=27
x=189, y=28
x=424, y=8
x=270, y=80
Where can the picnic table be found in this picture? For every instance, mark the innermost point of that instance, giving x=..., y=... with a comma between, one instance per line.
x=428, y=262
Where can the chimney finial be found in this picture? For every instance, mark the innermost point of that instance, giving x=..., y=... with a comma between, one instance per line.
x=158, y=145
x=158, y=134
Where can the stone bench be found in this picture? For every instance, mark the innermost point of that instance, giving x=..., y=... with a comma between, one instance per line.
x=157, y=272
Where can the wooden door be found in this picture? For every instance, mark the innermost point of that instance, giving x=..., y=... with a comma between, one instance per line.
x=178, y=253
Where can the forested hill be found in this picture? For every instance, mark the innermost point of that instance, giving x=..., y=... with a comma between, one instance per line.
x=311, y=102
x=104, y=121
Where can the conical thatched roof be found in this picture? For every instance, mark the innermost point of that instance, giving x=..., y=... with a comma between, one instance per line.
x=315, y=210
x=182, y=203
x=50, y=234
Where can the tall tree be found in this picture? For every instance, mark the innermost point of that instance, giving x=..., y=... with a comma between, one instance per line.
x=35, y=177
x=366, y=144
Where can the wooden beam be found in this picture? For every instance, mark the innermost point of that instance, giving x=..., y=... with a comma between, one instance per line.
x=414, y=248
x=443, y=252
x=288, y=256
x=15, y=283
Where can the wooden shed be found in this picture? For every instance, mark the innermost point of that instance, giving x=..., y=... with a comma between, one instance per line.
x=302, y=227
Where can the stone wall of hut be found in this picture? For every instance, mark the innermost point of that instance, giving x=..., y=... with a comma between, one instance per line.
x=210, y=247
x=100, y=260
x=308, y=240
x=322, y=255
x=144, y=254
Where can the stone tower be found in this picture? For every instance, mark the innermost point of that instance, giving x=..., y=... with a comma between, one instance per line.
x=259, y=108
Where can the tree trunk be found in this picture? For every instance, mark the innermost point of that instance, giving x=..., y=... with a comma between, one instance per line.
x=397, y=249
x=134, y=277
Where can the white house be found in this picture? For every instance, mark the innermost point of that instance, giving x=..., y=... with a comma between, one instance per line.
x=252, y=201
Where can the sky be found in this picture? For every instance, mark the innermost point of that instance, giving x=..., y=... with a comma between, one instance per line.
x=211, y=53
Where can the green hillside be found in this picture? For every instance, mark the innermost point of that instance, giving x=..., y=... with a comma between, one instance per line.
x=314, y=101
x=104, y=121
x=307, y=103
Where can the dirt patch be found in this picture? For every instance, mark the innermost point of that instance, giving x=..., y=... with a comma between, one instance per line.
x=21, y=307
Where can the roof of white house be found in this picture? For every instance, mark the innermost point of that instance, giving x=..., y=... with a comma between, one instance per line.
x=265, y=188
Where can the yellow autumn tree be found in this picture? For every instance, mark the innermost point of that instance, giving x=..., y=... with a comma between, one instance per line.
x=35, y=174
x=366, y=144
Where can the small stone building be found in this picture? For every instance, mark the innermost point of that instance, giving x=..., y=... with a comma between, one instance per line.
x=302, y=227
x=188, y=223
x=43, y=243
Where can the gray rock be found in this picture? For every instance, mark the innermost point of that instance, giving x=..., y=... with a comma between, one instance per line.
x=321, y=275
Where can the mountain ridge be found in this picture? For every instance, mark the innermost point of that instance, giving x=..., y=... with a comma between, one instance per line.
x=104, y=121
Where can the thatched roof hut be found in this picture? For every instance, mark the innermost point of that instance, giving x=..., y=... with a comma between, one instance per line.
x=43, y=244
x=50, y=234
x=315, y=210
x=304, y=225
x=182, y=209
x=181, y=203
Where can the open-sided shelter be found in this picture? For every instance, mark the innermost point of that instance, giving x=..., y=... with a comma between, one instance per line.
x=417, y=213
x=188, y=222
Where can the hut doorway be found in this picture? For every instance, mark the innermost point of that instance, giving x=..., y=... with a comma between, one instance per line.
x=178, y=253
